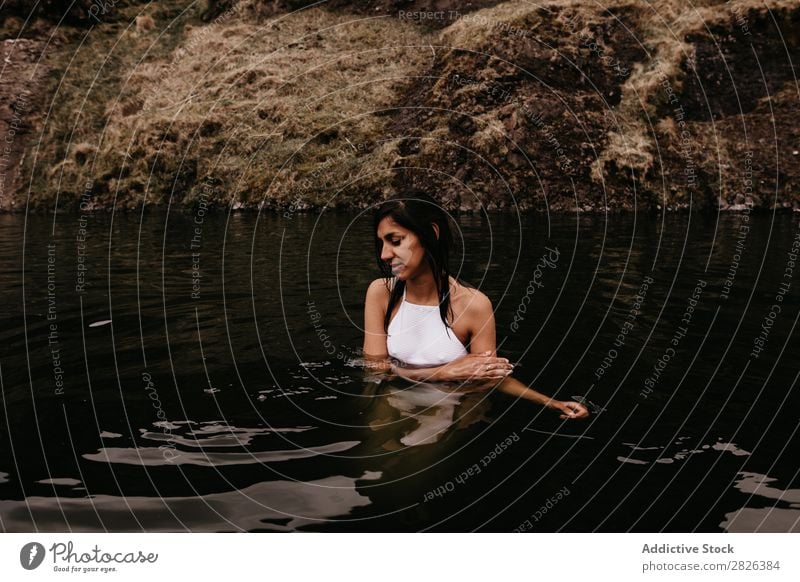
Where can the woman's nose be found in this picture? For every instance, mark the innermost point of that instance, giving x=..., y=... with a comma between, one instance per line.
x=386, y=253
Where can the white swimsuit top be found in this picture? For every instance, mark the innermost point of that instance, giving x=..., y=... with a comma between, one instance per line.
x=417, y=336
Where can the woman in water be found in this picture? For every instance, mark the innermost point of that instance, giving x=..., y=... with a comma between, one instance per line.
x=434, y=327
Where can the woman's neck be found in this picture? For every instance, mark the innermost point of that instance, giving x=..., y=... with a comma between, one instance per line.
x=422, y=290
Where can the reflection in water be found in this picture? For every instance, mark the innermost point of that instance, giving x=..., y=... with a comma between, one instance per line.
x=434, y=410
x=414, y=429
x=273, y=505
x=209, y=435
x=62, y=481
x=431, y=408
x=667, y=455
x=756, y=484
x=594, y=409
x=409, y=438
x=214, y=434
x=767, y=519
x=149, y=456
x=402, y=419
x=414, y=414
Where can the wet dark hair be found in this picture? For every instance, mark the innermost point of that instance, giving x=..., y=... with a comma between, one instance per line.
x=418, y=212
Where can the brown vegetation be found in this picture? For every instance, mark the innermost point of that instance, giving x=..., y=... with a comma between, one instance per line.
x=564, y=104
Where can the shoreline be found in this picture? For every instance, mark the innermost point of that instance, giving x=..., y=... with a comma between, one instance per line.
x=317, y=210
x=541, y=111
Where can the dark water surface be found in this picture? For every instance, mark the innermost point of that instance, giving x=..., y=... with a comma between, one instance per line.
x=222, y=395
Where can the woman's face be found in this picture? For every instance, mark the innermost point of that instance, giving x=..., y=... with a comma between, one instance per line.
x=402, y=249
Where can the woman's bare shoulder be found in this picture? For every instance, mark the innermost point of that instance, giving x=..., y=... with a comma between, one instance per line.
x=380, y=289
x=472, y=300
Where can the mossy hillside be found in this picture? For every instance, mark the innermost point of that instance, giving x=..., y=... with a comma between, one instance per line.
x=565, y=104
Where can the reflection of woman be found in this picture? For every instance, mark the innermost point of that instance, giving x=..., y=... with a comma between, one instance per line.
x=433, y=326
x=423, y=415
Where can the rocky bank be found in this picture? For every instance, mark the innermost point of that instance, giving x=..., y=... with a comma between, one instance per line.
x=562, y=105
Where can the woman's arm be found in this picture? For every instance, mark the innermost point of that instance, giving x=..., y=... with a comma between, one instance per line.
x=568, y=408
x=484, y=339
x=374, y=311
x=376, y=355
x=472, y=367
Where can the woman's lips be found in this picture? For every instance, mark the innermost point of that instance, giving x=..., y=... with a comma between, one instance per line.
x=396, y=267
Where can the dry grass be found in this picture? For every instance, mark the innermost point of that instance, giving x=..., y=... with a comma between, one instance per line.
x=662, y=28
x=88, y=74
x=281, y=109
x=275, y=110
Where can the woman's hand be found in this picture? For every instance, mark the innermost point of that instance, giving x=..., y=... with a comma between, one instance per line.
x=476, y=367
x=569, y=409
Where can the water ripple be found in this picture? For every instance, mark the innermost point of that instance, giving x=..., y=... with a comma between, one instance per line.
x=150, y=456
